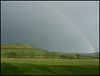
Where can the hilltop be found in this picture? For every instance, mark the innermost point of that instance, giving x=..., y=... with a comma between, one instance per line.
x=17, y=46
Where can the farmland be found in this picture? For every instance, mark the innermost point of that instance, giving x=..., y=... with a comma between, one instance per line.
x=49, y=67
x=26, y=50
x=23, y=59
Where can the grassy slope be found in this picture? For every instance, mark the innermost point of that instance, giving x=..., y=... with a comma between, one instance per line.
x=37, y=52
x=17, y=46
x=45, y=67
x=49, y=67
x=23, y=47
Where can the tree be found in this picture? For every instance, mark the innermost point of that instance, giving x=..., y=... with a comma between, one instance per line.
x=63, y=57
x=71, y=57
x=53, y=55
x=11, y=54
x=21, y=54
x=92, y=57
x=83, y=57
x=32, y=54
x=78, y=56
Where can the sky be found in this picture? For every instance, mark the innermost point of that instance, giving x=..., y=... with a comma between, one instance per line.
x=60, y=26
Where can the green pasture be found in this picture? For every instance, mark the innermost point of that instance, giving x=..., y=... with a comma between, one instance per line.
x=27, y=51
x=49, y=67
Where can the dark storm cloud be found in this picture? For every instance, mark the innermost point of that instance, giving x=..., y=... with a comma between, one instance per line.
x=36, y=24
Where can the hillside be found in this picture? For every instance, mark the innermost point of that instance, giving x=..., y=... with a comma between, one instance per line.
x=17, y=46
x=26, y=48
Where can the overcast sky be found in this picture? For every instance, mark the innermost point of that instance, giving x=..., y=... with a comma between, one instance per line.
x=48, y=25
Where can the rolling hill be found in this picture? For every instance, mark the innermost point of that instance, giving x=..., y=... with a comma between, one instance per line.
x=17, y=46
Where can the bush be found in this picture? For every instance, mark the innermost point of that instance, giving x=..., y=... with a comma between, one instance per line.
x=63, y=57
x=11, y=54
x=31, y=54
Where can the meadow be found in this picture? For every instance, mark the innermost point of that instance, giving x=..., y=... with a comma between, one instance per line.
x=49, y=67
x=24, y=59
x=36, y=51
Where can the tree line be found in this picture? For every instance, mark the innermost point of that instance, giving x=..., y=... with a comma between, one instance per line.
x=48, y=55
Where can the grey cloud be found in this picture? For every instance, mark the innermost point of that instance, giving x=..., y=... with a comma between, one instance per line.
x=34, y=23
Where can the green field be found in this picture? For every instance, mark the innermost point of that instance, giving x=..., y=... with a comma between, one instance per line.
x=25, y=65
x=16, y=47
x=27, y=51
x=49, y=67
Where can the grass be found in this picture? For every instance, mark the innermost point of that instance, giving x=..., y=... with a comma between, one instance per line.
x=44, y=67
x=27, y=51
x=49, y=67
x=16, y=47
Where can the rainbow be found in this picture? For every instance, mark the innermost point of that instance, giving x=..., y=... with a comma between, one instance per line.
x=74, y=25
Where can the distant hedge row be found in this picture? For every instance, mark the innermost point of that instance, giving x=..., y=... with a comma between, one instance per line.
x=52, y=55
